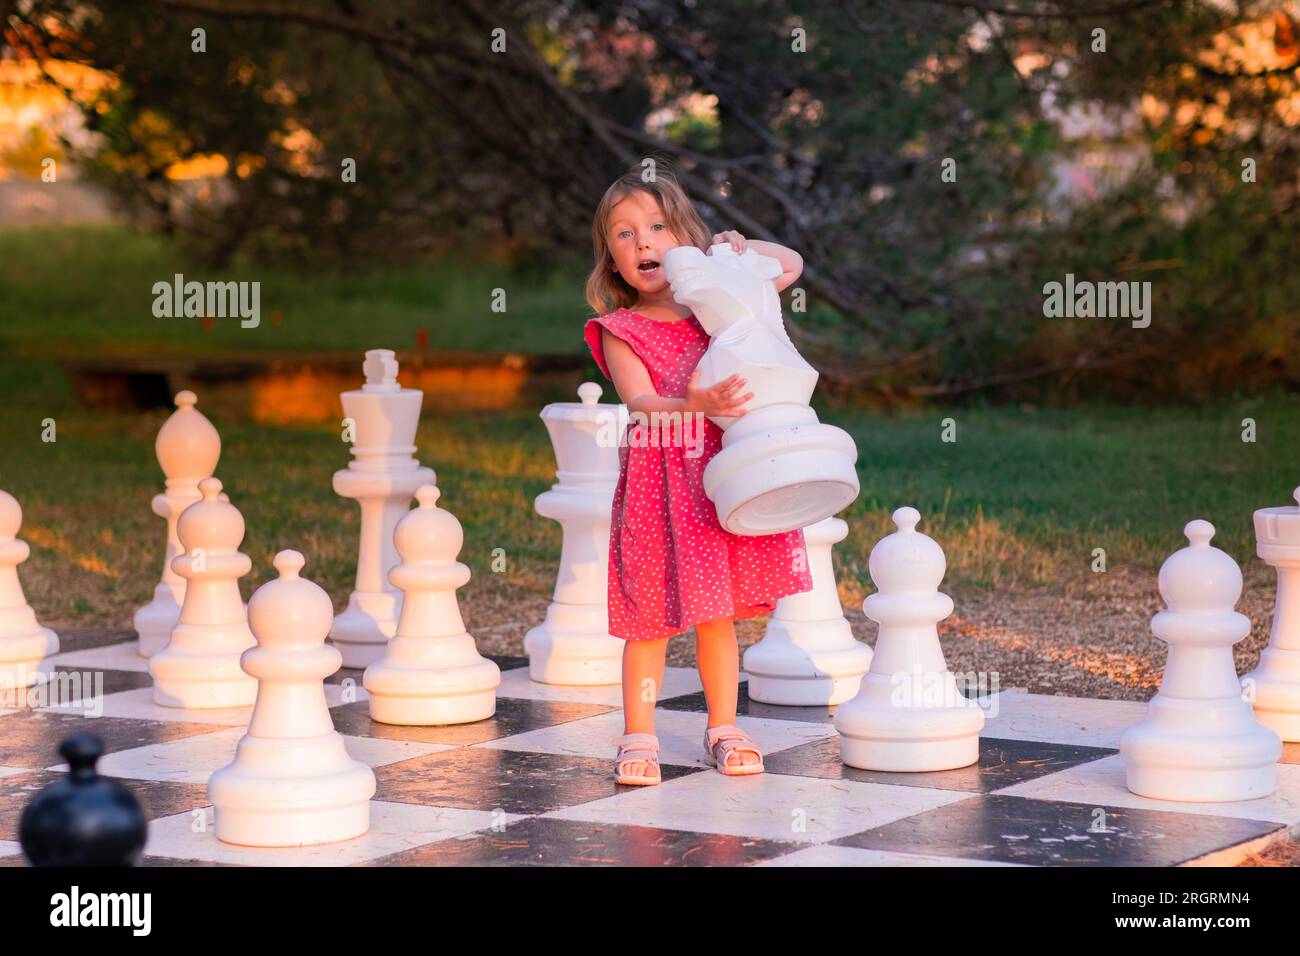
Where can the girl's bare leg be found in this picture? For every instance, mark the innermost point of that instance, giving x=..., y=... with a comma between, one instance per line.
x=718, y=657
x=643, y=674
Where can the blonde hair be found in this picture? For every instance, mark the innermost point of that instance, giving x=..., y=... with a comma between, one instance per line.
x=606, y=289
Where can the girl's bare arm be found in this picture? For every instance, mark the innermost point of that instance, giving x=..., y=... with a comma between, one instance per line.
x=791, y=261
x=632, y=382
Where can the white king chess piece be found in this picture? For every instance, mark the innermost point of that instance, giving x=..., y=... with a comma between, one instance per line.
x=779, y=468
x=292, y=782
x=573, y=645
x=431, y=672
x=1200, y=742
x=24, y=644
x=188, y=448
x=808, y=655
x=382, y=476
x=909, y=714
x=1275, y=684
x=199, y=666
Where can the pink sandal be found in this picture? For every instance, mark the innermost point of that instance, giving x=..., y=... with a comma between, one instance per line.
x=721, y=742
x=633, y=748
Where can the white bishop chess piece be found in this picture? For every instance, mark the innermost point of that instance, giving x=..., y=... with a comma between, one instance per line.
x=1200, y=742
x=199, y=667
x=909, y=714
x=1275, y=683
x=24, y=644
x=382, y=477
x=187, y=448
x=808, y=655
x=779, y=468
x=573, y=645
x=431, y=672
x=292, y=782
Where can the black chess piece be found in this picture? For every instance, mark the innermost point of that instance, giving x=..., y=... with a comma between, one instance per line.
x=83, y=819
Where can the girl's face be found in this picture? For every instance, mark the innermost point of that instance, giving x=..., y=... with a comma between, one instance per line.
x=638, y=238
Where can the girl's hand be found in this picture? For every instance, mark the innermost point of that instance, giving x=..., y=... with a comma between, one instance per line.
x=720, y=401
x=736, y=239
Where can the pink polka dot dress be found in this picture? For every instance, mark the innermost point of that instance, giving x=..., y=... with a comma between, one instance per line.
x=671, y=563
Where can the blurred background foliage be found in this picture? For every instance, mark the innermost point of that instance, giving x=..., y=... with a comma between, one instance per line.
x=1104, y=138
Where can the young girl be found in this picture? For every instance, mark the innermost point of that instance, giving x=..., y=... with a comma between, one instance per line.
x=671, y=563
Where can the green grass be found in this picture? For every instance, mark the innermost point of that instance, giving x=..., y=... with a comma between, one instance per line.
x=87, y=290
x=1020, y=500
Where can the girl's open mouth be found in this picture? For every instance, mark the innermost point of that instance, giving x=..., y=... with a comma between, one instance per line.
x=648, y=267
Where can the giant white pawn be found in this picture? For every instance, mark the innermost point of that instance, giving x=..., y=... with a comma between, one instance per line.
x=24, y=644
x=199, y=667
x=1275, y=684
x=292, y=782
x=909, y=714
x=1200, y=741
x=431, y=672
x=808, y=655
x=187, y=448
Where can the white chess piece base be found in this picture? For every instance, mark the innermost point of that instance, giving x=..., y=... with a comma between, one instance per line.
x=292, y=792
x=1277, y=692
x=362, y=630
x=1200, y=751
x=806, y=664
x=573, y=647
x=432, y=681
x=199, y=668
x=878, y=733
x=154, y=621
x=24, y=648
x=779, y=469
x=808, y=655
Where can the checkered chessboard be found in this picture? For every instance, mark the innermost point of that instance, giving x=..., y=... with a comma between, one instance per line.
x=534, y=784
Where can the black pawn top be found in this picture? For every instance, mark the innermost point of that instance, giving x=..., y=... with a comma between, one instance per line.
x=83, y=819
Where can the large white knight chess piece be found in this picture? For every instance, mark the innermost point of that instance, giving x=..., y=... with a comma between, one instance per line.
x=808, y=655
x=292, y=782
x=24, y=644
x=382, y=476
x=909, y=714
x=573, y=645
x=199, y=666
x=1275, y=683
x=187, y=448
x=431, y=672
x=1200, y=741
x=779, y=468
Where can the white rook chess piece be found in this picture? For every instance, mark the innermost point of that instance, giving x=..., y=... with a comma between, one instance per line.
x=24, y=644
x=779, y=468
x=431, y=672
x=292, y=782
x=199, y=667
x=1275, y=683
x=808, y=655
x=909, y=714
x=187, y=448
x=1200, y=741
x=573, y=645
x=382, y=476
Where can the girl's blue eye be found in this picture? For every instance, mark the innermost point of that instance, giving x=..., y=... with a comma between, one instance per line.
x=659, y=225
